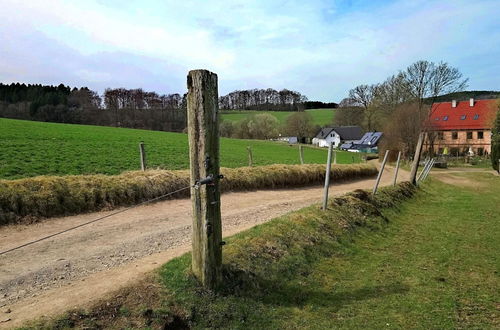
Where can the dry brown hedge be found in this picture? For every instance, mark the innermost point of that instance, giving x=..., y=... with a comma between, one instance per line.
x=49, y=196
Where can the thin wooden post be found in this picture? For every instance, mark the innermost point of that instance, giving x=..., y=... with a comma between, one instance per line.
x=301, y=155
x=142, y=154
x=426, y=163
x=334, y=157
x=203, y=131
x=379, y=176
x=250, y=156
x=416, y=159
x=397, y=169
x=327, y=176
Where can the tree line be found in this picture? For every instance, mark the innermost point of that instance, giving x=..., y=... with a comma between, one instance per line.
x=263, y=99
x=400, y=105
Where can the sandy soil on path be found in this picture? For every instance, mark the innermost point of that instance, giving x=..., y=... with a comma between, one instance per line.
x=87, y=264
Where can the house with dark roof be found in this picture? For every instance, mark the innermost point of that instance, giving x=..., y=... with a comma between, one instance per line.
x=337, y=135
x=368, y=143
x=461, y=128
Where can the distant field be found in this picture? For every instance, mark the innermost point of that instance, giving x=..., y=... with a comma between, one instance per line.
x=321, y=116
x=36, y=148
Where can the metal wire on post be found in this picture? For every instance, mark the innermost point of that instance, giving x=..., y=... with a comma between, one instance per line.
x=92, y=221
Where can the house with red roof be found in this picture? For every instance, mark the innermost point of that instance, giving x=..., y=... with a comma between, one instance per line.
x=461, y=128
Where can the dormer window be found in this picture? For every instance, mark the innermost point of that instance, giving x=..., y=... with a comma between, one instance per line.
x=436, y=119
x=476, y=116
x=445, y=118
x=462, y=117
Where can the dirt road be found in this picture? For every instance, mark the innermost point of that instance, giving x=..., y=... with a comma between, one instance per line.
x=84, y=265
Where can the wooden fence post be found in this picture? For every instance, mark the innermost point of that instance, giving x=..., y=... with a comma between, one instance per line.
x=250, y=156
x=301, y=154
x=397, y=169
x=334, y=157
x=379, y=176
x=203, y=132
x=416, y=159
x=142, y=154
x=327, y=176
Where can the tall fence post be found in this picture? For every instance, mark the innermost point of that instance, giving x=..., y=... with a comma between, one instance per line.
x=397, y=169
x=142, y=154
x=334, y=157
x=301, y=154
x=379, y=176
x=327, y=176
x=250, y=156
x=203, y=131
x=416, y=158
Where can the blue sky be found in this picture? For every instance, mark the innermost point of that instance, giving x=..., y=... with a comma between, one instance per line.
x=320, y=48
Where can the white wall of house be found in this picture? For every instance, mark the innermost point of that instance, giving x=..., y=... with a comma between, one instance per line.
x=332, y=137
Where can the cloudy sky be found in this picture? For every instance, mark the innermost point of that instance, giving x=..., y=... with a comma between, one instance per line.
x=320, y=48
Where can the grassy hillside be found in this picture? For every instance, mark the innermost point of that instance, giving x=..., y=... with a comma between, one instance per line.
x=402, y=260
x=321, y=116
x=35, y=148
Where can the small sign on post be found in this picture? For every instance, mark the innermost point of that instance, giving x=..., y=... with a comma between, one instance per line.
x=203, y=133
x=327, y=176
x=142, y=154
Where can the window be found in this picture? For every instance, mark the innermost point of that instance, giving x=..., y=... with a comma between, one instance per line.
x=469, y=135
x=436, y=119
x=480, y=151
x=454, y=135
x=445, y=118
x=462, y=117
x=440, y=136
x=476, y=116
x=480, y=135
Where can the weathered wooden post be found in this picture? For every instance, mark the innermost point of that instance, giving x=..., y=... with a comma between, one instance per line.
x=327, y=176
x=301, y=154
x=334, y=157
x=379, y=176
x=397, y=169
x=142, y=154
x=203, y=131
x=250, y=156
x=416, y=159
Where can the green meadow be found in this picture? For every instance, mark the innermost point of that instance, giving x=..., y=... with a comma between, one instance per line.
x=321, y=117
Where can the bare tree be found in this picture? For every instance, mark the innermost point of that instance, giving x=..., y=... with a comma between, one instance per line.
x=363, y=96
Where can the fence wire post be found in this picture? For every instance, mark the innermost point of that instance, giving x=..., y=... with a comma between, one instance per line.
x=397, y=169
x=379, y=176
x=327, y=176
x=142, y=154
x=416, y=158
x=203, y=132
x=301, y=155
x=250, y=156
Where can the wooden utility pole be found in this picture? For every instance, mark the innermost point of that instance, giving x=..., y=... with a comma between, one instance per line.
x=203, y=131
x=416, y=159
x=142, y=153
x=301, y=154
x=327, y=176
x=250, y=156
x=379, y=176
x=397, y=169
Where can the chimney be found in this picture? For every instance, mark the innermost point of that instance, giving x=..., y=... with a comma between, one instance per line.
x=454, y=103
x=471, y=102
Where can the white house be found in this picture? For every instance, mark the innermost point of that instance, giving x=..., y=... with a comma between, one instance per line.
x=337, y=136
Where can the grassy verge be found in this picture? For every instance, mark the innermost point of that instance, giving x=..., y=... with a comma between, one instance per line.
x=39, y=197
x=35, y=148
x=386, y=262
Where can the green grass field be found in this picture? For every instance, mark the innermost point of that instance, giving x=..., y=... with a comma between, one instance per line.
x=35, y=148
x=321, y=117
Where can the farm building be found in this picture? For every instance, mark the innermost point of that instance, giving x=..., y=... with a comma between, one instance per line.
x=368, y=143
x=337, y=135
x=461, y=128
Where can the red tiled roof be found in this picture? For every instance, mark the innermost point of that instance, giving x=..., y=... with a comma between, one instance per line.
x=479, y=116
